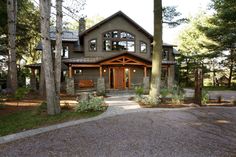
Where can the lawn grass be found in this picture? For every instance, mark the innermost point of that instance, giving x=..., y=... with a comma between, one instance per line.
x=220, y=88
x=29, y=119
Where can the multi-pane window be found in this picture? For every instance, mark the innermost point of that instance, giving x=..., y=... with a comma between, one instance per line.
x=93, y=45
x=65, y=52
x=143, y=47
x=165, y=55
x=118, y=41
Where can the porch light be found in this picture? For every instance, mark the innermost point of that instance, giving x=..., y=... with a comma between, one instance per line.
x=104, y=70
x=134, y=70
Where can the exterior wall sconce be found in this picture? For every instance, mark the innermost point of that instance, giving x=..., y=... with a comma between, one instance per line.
x=134, y=70
x=104, y=70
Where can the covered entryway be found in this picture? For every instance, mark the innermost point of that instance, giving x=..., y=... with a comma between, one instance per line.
x=119, y=77
x=124, y=71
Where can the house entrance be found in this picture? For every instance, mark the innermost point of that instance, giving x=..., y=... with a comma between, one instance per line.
x=119, y=77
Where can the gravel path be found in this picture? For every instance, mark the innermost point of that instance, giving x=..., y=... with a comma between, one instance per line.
x=194, y=132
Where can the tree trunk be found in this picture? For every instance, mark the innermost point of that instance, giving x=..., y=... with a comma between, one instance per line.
x=231, y=67
x=12, y=68
x=57, y=64
x=157, y=50
x=52, y=106
x=42, y=91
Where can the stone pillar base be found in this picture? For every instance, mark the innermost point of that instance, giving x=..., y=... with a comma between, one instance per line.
x=146, y=85
x=101, y=86
x=70, y=86
x=33, y=83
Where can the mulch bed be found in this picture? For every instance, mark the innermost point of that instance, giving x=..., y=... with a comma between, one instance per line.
x=188, y=102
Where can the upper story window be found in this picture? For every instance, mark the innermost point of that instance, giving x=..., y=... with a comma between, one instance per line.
x=143, y=47
x=65, y=52
x=93, y=45
x=165, y=55
x=118, y=41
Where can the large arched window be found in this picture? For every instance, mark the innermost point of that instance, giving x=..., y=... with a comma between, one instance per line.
x=117, y=40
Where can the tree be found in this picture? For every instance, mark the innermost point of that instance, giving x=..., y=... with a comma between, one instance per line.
x=57, y=64
x=12, y=68
x=223, y=31
x=197, y=50
x=157, y=50
x=52, y=105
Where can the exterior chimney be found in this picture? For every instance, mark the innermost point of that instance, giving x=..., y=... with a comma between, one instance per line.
x=82, y=24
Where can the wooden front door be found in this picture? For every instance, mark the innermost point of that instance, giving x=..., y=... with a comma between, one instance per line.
x=119, y=78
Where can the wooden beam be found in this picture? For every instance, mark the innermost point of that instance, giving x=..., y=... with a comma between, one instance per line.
x=33, y=72
x=145, y=71
x=85, y=65
x=70, y=71
x=100, y=71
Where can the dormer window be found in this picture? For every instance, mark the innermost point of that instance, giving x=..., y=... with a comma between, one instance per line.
x=143, y=47
x=118, y=41
x=93, y=45
x=65, y=52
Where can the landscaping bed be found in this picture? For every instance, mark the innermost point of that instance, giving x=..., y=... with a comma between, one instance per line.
x=31, y=112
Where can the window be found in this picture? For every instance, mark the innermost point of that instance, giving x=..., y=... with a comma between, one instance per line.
x=143, y=47
x=65, y=52
x=165, y=55
x=93, y=45
x=118, y=41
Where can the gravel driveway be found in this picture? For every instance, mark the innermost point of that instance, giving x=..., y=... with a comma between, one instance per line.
x=197, y=132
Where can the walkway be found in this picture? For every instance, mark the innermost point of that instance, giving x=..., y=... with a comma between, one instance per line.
x=118, y=105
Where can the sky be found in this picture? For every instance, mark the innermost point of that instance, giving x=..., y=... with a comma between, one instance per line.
x=141, y=11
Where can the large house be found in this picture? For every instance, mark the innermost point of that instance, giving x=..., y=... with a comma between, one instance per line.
x=115, y=54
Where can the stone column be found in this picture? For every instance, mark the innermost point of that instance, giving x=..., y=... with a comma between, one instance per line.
x=146, y=85
x=171, y=76
x=70, y=86
x=33, y=80
x=101, y=86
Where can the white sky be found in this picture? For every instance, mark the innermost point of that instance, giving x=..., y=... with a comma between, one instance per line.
x=141, y=11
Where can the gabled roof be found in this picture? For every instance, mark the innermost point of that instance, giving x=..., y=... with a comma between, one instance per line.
x=121, y=14
x=67, y=35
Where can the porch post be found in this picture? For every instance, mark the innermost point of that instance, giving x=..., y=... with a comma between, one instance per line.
x=145, y=71
x=70, y=71
x=100, y=68
x=33, y=79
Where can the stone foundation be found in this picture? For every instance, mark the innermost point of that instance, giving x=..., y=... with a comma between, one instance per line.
x=146, y=85
x=70, y=86
x=100, y=86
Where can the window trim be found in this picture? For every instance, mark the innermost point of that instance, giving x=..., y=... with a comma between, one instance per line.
x=117, y=40
x=140, y=47
x=89, y=45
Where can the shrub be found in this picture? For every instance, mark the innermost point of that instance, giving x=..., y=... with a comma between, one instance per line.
x=164, y=92
x=177, y=95
x=139, y=91
x=21, y=93
x=93, y=104
x=42, y=108
x=149, y=101
x=205, y=97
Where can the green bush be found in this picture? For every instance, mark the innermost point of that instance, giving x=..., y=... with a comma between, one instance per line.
x=164, y=92
x=93, y=104
x=205, y=97
x=139, y=91
x=42, y=108
x=177, y=94
x=149, y=101
x=21, y=93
